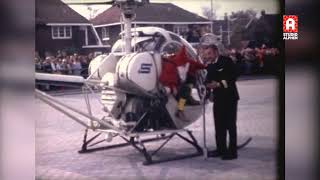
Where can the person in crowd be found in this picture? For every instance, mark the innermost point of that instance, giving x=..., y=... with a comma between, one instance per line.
x=193, y=35
x=58, y=66
x=249, y=58
x=53, y=64
x=260, y=53
x=38, y=63
x=76, y=67
x=85, y=65
x=47, y=65
x=64, y=67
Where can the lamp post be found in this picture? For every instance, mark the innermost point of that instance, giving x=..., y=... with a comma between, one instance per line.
x=211, y=20
x=228, y=26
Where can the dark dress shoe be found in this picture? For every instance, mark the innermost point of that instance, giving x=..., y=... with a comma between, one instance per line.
x=229, y=157
x=214, y=153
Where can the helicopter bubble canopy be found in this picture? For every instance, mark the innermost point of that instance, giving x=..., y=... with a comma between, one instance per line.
x=119, y=45
x=153, y=39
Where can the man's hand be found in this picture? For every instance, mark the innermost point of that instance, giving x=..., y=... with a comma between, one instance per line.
x=213, y=85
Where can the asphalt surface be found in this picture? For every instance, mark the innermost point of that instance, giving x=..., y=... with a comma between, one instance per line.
x=58, y=140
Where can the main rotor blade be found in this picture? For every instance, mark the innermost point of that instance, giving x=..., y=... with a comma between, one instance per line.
x=88, y=2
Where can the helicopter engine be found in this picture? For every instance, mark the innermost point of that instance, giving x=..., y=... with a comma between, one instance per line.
x=139, y=72
x=125, y=93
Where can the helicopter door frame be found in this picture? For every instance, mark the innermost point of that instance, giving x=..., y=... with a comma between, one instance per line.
x=170, y=42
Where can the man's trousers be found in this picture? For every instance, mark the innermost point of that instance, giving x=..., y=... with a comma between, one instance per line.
x=225, y=117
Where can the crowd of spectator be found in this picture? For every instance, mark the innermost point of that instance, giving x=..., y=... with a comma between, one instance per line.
x=63, y=63
x=251, y=60
x=259, y=60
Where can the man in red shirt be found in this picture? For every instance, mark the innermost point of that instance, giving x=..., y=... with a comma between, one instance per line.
x=178, y=72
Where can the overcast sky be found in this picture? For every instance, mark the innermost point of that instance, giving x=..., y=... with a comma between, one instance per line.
x=221, y=6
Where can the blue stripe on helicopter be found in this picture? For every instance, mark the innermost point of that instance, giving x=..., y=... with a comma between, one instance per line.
x=145, y=68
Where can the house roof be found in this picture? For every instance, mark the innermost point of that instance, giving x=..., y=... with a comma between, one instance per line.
x=55, y=11
x=152, y=12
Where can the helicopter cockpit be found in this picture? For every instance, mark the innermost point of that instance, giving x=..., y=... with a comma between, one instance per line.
x=155, y=40
x=137, y=73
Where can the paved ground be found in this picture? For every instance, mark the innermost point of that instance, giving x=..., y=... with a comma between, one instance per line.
x=58, y=139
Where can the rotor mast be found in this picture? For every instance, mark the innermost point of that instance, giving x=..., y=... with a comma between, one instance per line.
x=127, y=19
x=127, y=8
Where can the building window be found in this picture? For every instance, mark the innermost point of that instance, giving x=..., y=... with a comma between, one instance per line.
x=105, y=34
x=61, y=32
x=180, y=29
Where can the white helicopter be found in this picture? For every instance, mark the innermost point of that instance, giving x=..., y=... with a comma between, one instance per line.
x=134, y=103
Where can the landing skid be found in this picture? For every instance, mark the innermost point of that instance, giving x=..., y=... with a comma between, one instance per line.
x=139, y=145
x=240, y=146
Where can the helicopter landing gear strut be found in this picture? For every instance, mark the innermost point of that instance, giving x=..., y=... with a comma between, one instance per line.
x=149, y=155
x=87, y=145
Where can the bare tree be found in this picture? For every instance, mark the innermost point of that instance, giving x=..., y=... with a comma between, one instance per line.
x=92, y=12
x=210, y=13
x=249, y=13
x=206, y=11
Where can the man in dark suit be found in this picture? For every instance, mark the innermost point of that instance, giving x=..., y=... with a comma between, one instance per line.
x=221, y=84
